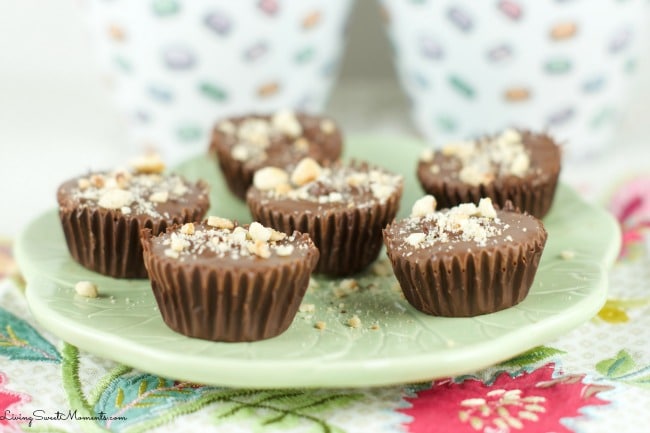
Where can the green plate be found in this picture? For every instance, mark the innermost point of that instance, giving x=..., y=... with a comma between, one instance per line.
x=394, y=344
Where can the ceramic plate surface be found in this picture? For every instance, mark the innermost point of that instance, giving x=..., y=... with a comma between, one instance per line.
x=394, y=344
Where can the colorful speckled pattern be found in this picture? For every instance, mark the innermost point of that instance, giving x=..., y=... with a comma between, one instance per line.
x=175, y=66
x=472, y=68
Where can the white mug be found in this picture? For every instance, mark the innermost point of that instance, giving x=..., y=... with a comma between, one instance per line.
x=176, y=66
x=477, y=67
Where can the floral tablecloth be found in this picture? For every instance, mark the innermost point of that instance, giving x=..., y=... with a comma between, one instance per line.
x=593, y=379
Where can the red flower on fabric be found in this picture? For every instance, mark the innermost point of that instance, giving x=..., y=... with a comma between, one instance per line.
x=7, y=412
x=532, y=402
x=631, y=207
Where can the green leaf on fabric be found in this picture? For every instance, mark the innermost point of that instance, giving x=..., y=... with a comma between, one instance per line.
x=284, y=409
x=532, y=356
x=20, y=341
x=617, y=366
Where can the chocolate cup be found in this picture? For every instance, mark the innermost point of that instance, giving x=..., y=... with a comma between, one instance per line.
x=230, y=304
x=324, y=148
x=349, y=239
x=108, y=242
x=532, y=194
x=469, y=283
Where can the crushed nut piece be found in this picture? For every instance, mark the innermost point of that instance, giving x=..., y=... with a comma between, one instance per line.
x=97, y=180
x=320, y=325
x=349, y=284
x=220, y=223
x=178, y=243
x=327, y=126
x=434, y=168
x=277, y=236
x=115, y=199
x=415, y=239
x=486, y=208
x=86, y=288
x=260, y=249
x=426, y=155
x=270, y=178
x=374, y=326
x=148, y=164
x=301, y=144
x=122, y=179
x=284, y=250
x=424, y=206
x=159, y=197
x=187, y=229
x=307, y=308
x=381, y=268
x=83, y=183
x=227, y=127
x=285, y=121
x=354, y=322
x=567, y=255
x=259, y=233
x=125, y=210
x=306, y=171
x=172, y=253
x=381, y=192
x=239, y=152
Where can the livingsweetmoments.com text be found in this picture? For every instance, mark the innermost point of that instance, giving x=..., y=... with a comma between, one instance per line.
x=41, y=415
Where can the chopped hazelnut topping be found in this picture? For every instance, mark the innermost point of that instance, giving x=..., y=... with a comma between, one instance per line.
x=172, y=253
x=307, y=308
x=285, y=121
x=240, y=234
x=270, y=178
x=97, y=180
x=320, y=325
x=434, y=168
x=260, y=249
x=486, y=208
x=424, y=206
x=227, y=127
x=427, y=155
x=159, y=197
x=284, y=250
x=122, y=179
x=83, y=183
x=148, y=164
x=187, y=229
x=86, y=288
x=306, y=171
x=115, y=199
x=178, y=243
x=567, y=255
x=354, y=322
x=277, y=236
x=301, y=144
x=381, y=192
x=240, y=153
x=220, y=223
x=260, y=233
x=415, y=238
x=356, y=179
x=327, y=126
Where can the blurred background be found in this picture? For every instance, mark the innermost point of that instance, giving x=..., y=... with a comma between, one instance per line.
x=58, y=119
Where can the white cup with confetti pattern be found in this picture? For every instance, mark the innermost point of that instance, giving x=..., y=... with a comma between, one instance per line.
x=476, y=67
x=176, y=66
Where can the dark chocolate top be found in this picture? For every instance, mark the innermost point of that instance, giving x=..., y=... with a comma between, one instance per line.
x=310, y=187
x=279, y=140
x=509, y=156
x=462, y=229
x=221, y=242
x=134, y=194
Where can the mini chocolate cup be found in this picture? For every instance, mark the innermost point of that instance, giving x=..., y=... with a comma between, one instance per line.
x=349, y=239
x=469, y=283
x=230, y=304
x=108, y=242
x=324, y=148
x=532, y=194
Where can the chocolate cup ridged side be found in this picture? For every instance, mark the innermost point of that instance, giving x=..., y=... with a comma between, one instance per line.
x=237, y=175
x=232, y=305
x=348, y=239
x=470, y=284
x=529, y=195
x=107, y=242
